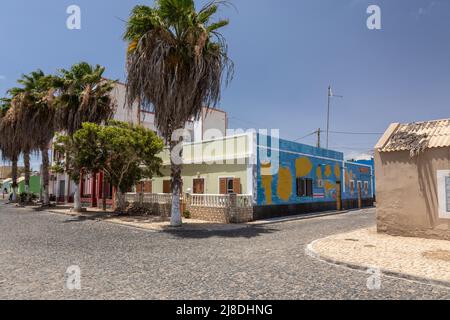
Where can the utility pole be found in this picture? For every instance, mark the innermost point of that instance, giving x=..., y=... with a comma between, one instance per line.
x=328, y=116
x=318, y=138
x=330, y=95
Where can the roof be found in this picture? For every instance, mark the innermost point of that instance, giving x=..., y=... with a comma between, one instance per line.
x=415, y=137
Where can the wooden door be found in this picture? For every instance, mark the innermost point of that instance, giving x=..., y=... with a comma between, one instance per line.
x=199, y=186
x=338, y=196
x=167, y=186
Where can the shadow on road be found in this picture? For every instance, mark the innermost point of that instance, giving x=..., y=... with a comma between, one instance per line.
x=245, y=232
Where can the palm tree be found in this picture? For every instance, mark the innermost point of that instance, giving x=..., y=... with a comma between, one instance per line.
x=83, y=95
x=176, y=60
x=35, y=113
x=9, y=142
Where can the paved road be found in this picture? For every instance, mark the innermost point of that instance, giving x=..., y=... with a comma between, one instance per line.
x=117, y=262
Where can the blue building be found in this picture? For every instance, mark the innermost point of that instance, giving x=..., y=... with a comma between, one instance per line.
x=370, y=163
x=294, y=178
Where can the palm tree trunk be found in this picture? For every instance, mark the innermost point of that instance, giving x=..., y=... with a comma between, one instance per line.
x=66, y=185
x=76, y=198
x=45, y=175
x=26, y=163
x=66, y=188
x=175, y=217
x=14, y=173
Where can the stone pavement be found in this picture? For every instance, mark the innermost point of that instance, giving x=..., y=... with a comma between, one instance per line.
x=412, y=258
x=117, y=262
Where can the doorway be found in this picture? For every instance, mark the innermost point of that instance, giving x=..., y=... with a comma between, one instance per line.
x=199, y=186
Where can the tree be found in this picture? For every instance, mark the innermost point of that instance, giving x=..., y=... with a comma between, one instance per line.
x=126, y=153
x=176, y=60
x=35, y=111
x=83, y=95
x=8, y=142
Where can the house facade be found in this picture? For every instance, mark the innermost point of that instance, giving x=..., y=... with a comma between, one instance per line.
x=281, y=177
x=213, y=122
x=412, y=162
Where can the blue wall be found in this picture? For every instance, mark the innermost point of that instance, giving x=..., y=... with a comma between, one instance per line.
x=278, y=185
x=370, y=163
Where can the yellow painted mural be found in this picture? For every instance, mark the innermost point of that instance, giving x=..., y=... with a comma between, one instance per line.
x=329, y=186
x=303, y=167
x=337, y=171
x=328, y=171
x=266, y=182
x=319, y=173
x=284, y=188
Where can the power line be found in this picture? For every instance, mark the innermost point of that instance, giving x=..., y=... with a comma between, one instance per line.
x=356, y=133
x=307, y=136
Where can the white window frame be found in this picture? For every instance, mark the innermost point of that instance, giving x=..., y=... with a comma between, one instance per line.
x=366, y=187
x=225, y=177
x=442, y=180
x=352, y=187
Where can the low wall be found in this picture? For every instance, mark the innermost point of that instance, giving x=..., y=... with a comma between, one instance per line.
x=212, y=208
x=279, y=211
x=215, y=215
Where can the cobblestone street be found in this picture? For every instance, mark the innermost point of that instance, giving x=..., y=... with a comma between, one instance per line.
x=119, y=262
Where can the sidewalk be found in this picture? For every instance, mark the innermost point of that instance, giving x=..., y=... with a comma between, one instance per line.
x=153, y=223
x=411, y=258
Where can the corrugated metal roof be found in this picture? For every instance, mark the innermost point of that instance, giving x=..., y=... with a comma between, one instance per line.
x=415, y=137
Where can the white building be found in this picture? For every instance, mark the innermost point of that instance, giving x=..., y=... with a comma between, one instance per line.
x=213, y=121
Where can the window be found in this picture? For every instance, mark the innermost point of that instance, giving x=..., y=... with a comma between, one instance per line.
x=359, y=187
x=366, y=187
x=230, y=185
x=352, y=186
x=304, y=187
x=447, y=192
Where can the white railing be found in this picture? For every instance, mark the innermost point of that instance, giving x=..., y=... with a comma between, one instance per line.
x=244, y=201
x=196, y=200
x=161, y=198
x=131, y=197
x=209, y=200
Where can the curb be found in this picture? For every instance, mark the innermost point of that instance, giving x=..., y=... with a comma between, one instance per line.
x=311, y=252
x=297, y=218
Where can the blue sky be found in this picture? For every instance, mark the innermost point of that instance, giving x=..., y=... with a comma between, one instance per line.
x=286, y=53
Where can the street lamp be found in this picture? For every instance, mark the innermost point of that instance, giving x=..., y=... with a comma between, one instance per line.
x=330, y=95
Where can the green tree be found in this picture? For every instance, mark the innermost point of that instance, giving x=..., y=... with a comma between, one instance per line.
x=126, y=153
x=35, y=112
x=176, y=60
x=83, y=95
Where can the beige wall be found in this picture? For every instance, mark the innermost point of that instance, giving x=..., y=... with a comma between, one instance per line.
x=211, y=174
x=407, y=193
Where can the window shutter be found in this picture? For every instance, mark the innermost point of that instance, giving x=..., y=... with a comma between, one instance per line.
x=237, y=186
x=166, y=186
x=309, y=188
x=148, y=187
x=223, y=186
